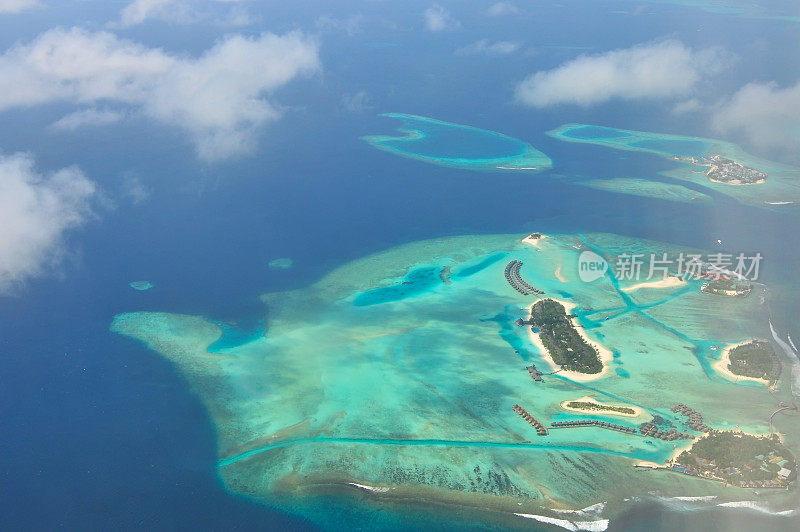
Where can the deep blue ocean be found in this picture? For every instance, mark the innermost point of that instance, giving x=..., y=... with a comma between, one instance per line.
x=98, y=432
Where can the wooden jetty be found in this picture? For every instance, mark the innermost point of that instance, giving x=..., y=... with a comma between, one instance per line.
x=516, y=281
x=592, y=423
x=541, y=430
x=535, y=373
x=783, y=406
x=694, y=418
x=650, y=429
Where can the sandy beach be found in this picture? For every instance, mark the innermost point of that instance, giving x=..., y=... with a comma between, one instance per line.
x=721, y=365
x=677, y=452
x=534, y=241
x=559, y=276
x=606, y=356
x=586, y=399
x=668, y=282
x=646, y=463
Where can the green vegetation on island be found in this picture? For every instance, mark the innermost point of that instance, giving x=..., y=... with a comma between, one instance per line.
x=722, y=170
x=566, y=346
x=585, y=405
x=740, y=459
x=756, y=359
x=727, y=287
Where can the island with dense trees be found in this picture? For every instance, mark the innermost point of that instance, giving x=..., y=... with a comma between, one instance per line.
x=756, y=359
x=563, y=342
x=722, y=170
x=740, y=459
x=726, y=287
x=586, y=405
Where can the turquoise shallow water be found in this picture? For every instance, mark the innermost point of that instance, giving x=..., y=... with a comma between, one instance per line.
x=416, y=282
x=458, y=146
x=657, y=143
x=781, y=191
x=384, y=375
x=673, y=147
x=648, y=188
x=141, y=285
x=232, y=336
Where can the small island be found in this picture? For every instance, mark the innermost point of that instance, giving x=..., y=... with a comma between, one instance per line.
x=726, y=287
x=561, y=340
x=588, y=405
x=283, y=263
x=534, y=239
x=740, y=459
x=141, y=285
x=752, y=360
x=722, y=170
x=727, y=171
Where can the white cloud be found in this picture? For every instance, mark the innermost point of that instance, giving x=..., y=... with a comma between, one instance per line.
x=357, y=103
x=767, y=115
x=502, y=8
x=489, y=48
x=688, y=106
x=87, y=117
x=178, y=11
x=657, y=70
x=35, y=213
x=140, y=10
x=17, y=6
x=438, y=18
x=239, y=17
x=218, y=98
x=134, y=189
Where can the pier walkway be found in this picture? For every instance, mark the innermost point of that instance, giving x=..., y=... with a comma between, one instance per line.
x=650, y=429
x=592, y=423
x=695, y=418
x=541, y=430
x=535, y=373
x=517, y=282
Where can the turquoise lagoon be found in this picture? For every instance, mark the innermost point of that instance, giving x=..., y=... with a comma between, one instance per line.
x=458, y=146
x=141, y=285
x=390, y=383
x=780, y=191
x=647, y=188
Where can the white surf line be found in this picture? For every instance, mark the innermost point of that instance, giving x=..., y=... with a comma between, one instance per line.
x=594, y=510
x=369, y=488
x=700, y=498
x=757, y=507
x=594, y=526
